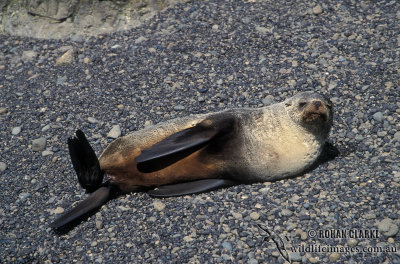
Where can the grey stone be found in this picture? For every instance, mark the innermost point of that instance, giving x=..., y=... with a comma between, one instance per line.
x=115, y=132
x=92, y=120
x=158, y=205
x=396, y=136
x=3, y=166
x=38, y=144
x=334, y=257
x=317, y=10
x=47, y=153
x=67, y=58
x=286, y=212
x=16, y=130
x=28, y=55
x=179, y=108
x=295, y=256
x=378, y=116
x=388, y=227
x=3, y=110
x=227, y=246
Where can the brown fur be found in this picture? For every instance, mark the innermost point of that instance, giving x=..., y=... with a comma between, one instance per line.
x=124, y=173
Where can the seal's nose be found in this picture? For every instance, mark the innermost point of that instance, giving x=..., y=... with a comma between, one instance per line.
x=317, y=104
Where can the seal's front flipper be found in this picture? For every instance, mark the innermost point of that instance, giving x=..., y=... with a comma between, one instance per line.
x=192, y=187
x=95, y=200
x=182, y=144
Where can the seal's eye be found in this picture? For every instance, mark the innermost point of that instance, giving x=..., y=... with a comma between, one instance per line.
x=302, y=104
x=288, y=104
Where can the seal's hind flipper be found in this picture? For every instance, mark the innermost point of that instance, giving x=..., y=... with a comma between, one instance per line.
x=95, y=200
x=192, y=187
x=85, y=162
x=181, y=144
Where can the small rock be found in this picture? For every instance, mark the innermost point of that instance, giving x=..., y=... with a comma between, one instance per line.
x=252, y=261
x=227, y=246
x=334, y=257
x=16, y=130
x=38, y=144
x=3, y=110
x=140, y=39
x=86, y=60
x=115, y=132
x=188, y=239
x=158, y=205
x=24, y=195
x=397, y=136
x=67, y=58
x=45, y=128
x=47, y=153
x=317, y=10
x=378, y=116
x=352, y=242
x=92, y=120
x=388, y=227
x=179, y=108
x=29, y=55
x=370, y=216
x=58, y=210
x=254, y=216
x=99, y=224
x=3, y=166
x=286, y=212
x=295, y=256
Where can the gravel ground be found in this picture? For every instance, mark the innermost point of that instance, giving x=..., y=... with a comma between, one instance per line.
x=195, y=58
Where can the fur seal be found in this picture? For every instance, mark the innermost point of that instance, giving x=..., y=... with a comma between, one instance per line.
x=203, y=152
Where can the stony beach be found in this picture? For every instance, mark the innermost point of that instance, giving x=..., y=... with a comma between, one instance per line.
x=199, y=57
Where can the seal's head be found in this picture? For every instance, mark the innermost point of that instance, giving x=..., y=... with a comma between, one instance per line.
x=312, y=111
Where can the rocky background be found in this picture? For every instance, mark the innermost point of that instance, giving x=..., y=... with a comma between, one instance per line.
x=75, y=19
x=197, y=57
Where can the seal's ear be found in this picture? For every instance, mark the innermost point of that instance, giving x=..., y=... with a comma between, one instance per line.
x=182, y=144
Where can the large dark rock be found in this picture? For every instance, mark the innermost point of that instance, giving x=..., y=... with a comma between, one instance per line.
x=75, y=18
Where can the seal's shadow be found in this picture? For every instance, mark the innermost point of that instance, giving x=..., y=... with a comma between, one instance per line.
x=329, y=152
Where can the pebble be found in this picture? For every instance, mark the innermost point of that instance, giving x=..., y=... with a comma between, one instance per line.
x=334, y=257
x=226, y=245
x=38, y=144
x=99, y=225
x=286, y=212
x=252, y=261
x=317, y=10
x=16, y=130
x=3, y=166
x=67, y=58
x=254, y=216
x=22, y=196
x=396, y=136
x=58, y=210
x=295, y=256
x=388, y=227
x=158, y=205
x=179, y=108
x=115, y=132
x=29, y=55
x=92, y=120
x=47, y=153
x=378, y=116
x=352, y=242
x=45, y=128
x=3, y=110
